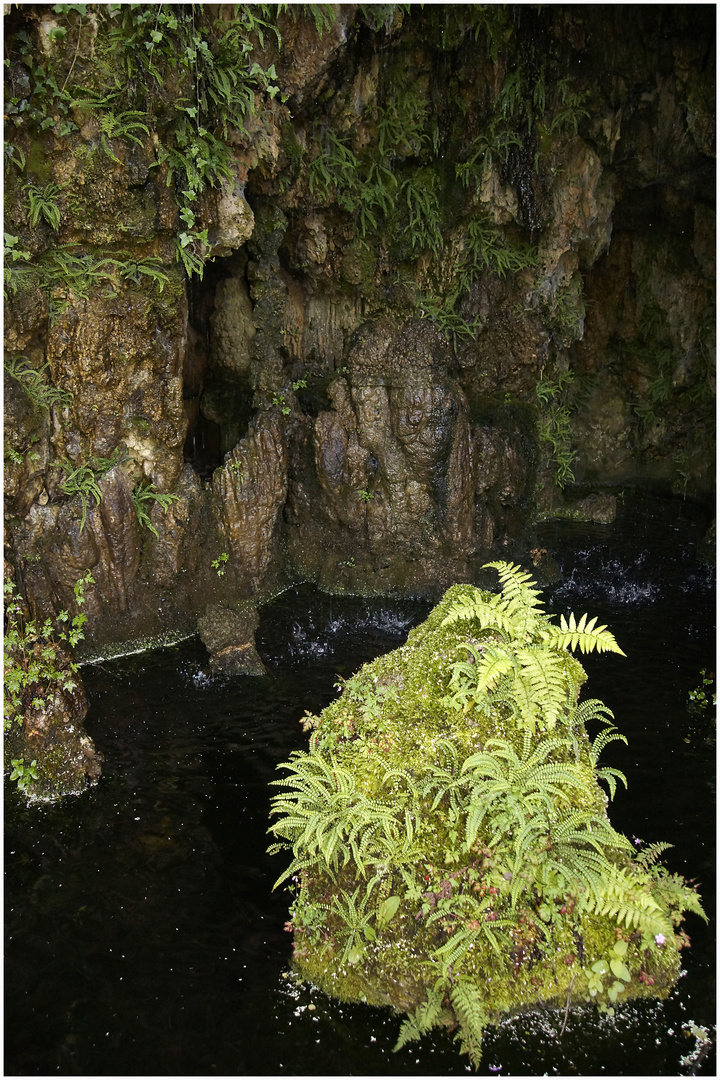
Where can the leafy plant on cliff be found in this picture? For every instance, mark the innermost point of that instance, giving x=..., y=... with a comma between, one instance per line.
x=42, y=204
x=31, y=379
x=145, y=494
x=82, y=480
x=63, y=273
x=35, y=663
x=554, y=429
x=443, y=314
x=486, y=249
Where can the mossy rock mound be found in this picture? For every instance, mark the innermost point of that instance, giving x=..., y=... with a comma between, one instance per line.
x=452, y=854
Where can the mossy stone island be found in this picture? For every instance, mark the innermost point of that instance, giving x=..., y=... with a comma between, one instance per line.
x=452, y=852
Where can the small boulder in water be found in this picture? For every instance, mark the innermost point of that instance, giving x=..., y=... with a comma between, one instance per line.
x=229, y=636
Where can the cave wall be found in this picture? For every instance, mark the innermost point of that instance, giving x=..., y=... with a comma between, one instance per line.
x=367, y=290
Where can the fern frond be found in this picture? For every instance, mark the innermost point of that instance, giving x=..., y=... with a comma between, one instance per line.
x=585, y=827
x=544, y=676
x=650, y=855
x=591, y=709
x=494, y=663
x=608, y=774
x=621, y=898
x=488, y=610
x=468, y=1008
x=582, y=634
x=425, y=1017
x=516, y=583
x=607, y=735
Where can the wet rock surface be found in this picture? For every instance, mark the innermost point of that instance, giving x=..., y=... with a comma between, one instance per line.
x=419, y=299
x=229, y=636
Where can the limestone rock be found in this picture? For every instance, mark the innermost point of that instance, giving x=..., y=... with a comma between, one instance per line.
x=234, y=220
x=249, y=492
x=229, y=635
x=233, y=328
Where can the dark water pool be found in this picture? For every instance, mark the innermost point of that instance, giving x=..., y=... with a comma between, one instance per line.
x=142, y=933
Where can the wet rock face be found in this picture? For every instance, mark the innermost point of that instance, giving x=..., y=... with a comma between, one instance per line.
x=406, y=479
x=249, y=492
x=404, y=245
x=53, y=736
x=121, y=359
x=393, y=455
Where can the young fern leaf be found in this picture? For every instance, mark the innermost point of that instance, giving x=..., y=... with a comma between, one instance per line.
x=467, y=1005
x=487, y=610
x=545, y=679
x=516, y=586
x=582, y=634
x=425, y=1017
x=592, y=709
x=624, y=900
x=607, y=735
x=650, y=855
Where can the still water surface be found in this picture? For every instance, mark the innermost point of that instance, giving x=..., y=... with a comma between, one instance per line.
x=142, y=933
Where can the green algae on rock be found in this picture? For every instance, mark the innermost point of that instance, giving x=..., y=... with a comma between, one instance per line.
x=452, y=854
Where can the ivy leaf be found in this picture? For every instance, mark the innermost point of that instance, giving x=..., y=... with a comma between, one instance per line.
x=618, y=969
x=355, y=954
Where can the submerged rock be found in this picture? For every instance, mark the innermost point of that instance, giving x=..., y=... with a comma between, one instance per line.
x=229, y=636
x=452, y=853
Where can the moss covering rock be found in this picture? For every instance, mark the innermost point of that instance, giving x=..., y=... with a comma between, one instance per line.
x=452, y=853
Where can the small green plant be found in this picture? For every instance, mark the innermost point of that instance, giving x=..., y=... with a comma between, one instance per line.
x=192, y=249
x=143, y=496
x=365, y=496
x=486, y=249
x=83, y=479
x=124, y=125
x=554, y=429
x=42, y=204
x=570, y=108
x=700, y=698
x=451, y=325
x=419, y=205
x=34, y=661
x=220, y=564
x=24, y=774
x=31, y=379
x=12, y=254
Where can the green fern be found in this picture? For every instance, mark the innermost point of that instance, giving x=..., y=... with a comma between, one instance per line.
x=583, y=634
x=527, y=665
x=31, y=379
x=472, y=1017
x=142, y=495
x=647, y=858
x=630, y=903
x=355, y=916
x=82, y=480
x=326, y=820
x=42, y=204
x=425, y=1017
